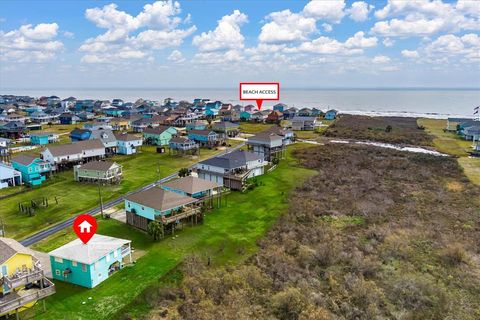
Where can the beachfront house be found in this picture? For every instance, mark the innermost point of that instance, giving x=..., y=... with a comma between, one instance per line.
x=33, y=170
x=128, y=143
x=331, y=114
x=226, y=129
x=9, y=177
x=232, y=169
x=159, y=136
x=22, y=277
x=267, y=145
x=274, y=117
x=104, y=172
x=205, y=138
x=245, y=115
x=88, y=265
x=157, y=204
x=304, y=123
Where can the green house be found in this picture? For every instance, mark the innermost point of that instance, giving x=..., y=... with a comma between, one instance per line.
x=159, y=136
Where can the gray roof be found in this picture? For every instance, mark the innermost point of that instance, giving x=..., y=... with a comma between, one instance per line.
x=232, y=160
x=225, y=125
x=201, y=132
x=127, y=137
x=265, y=137
x=98, y=165
x=10, y=247
x=106, y=135
x=160, y=199
x=75, y=148
x=156, y=130
x=181, y=140
x=24, y=159
x=303, y=119
x=472, y=129
x=191, y=184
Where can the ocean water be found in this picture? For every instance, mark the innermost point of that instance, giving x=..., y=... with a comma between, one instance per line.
x=434, y=103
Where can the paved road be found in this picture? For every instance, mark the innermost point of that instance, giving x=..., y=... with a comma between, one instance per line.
x=67, y=223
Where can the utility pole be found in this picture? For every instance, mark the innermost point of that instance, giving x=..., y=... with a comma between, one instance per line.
x=2, y=228
x=100, y=196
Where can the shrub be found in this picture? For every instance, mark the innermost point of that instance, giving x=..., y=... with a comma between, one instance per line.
x=454, y=254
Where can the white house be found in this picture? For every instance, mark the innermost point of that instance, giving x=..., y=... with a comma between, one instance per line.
x=9, y=177
x=74, y=152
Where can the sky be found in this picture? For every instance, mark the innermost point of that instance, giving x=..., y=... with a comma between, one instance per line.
x=217, y=44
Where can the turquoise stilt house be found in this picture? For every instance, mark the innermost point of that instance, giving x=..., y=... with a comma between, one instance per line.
x=42, y=138
x=88, y=265
x=34, y=170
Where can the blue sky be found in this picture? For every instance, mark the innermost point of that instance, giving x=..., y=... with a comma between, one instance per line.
x=220, y=43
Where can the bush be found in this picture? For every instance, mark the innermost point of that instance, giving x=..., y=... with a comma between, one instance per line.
x=454, y=254
x=289, y=304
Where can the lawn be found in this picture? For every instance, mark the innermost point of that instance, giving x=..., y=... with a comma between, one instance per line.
x=453, y=144
x=252, y=127
x=446, y=142
x=74, y=198
x=228, y=235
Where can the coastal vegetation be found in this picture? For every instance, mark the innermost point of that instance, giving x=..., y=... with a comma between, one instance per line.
x=376, y=234
x=400, y=130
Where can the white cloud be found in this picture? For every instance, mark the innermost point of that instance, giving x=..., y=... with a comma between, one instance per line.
x=326, y=45
x=158, y=24
x=329, y=10
x=425, y=18
x=359, y=11
x=42, y=31
x=387, y=42
x=68, y=34
x=410, y=54
x=218, y=57
x=176, y=56
x=285, y=26
x=226, y=35
x=30, y=43
x=381, y=59
x=327, y=27
x=466, y=47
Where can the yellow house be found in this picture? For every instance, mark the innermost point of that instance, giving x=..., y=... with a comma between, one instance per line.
x=120, y=124
x=22, y=279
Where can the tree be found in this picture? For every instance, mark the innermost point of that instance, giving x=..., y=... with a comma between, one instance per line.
x=388, y=128
x=183, y=172
x=154, y=229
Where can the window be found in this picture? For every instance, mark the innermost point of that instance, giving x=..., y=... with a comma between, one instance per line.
x=115, y=254
x=128, y=204
x=143, y=208
x=57, y=272
x=84, y=267
x=74, y=263
x=59, y=260
x=107, y=258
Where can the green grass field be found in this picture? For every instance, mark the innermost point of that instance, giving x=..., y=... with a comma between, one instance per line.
x=228, y=235
x=75, y=198
x=251, y=127
x=454, y=145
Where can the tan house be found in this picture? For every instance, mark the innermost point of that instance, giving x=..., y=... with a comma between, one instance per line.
x=105, y=172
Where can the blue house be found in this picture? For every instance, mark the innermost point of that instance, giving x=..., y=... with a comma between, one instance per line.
x=39, y=138
x=68, y=118
x=245, y=115
x=206, y=138
x=157, y=204
x=88, y=265
x=197, y=125
x=211, y=113
x=80, y=134
x=331, y=114
x=192, y=187
x=33, y=170
x=280, y=107
x=128, y=143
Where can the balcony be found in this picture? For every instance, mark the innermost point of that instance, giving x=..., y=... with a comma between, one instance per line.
x=22, y=278
x=187, y=212
x=18, y=299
